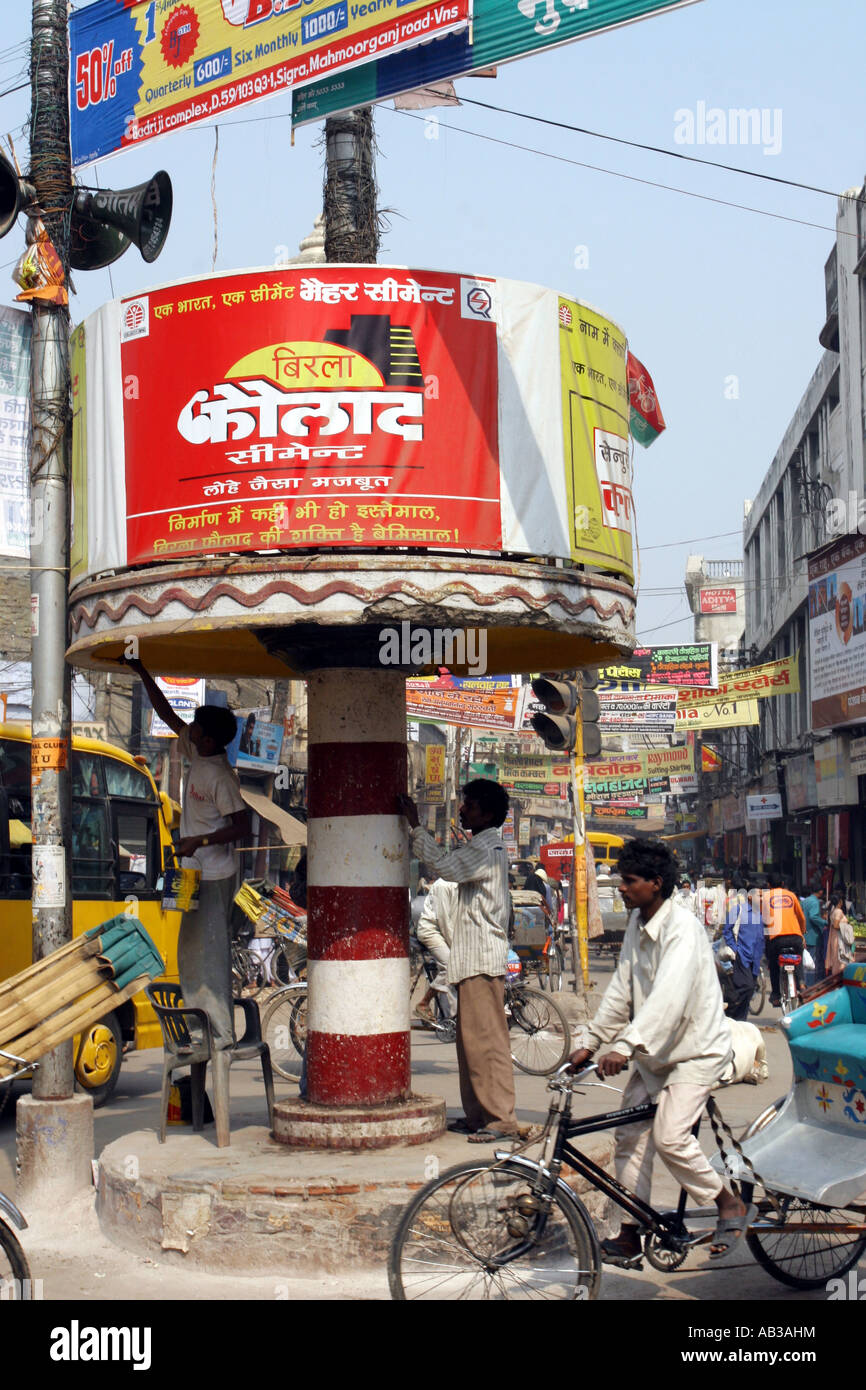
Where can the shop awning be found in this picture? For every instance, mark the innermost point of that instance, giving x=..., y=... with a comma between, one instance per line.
x=685, y=835
x=293, y=832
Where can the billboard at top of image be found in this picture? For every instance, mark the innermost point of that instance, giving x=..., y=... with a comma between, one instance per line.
x=837, y=633
x=690, y=664
x=137, y=71
x=345, y=406
x=501, y=30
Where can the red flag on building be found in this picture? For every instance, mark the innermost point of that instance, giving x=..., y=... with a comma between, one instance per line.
x=646, y=421
x=710, y=760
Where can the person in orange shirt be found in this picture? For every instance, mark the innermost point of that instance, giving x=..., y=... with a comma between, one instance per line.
x=785, y=927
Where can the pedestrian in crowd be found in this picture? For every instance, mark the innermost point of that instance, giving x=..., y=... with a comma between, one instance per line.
x=663, y=1010
x=840, y=936
x=744, y=934
x=685, y=894
x=479, y=952
x=435, y=931
x=785, y=929
x=816, y=924
x=213, y=818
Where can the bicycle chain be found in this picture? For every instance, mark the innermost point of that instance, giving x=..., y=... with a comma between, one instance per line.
x=717, y=1119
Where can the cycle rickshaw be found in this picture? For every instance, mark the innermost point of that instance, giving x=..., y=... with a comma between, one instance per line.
x=513, y=1228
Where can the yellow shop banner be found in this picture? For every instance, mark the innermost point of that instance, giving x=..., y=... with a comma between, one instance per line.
x=595, y=416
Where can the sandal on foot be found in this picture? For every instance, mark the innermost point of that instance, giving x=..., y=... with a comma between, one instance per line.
x=460, y=1127
x=623, y=1256
x=730, y=1231
x=493, y=1136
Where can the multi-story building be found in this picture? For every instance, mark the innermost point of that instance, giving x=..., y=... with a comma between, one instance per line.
x=809, y=500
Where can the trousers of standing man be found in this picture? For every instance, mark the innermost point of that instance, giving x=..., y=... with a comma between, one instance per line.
x=484, y=1054
x=204, y=958
x=668, y=1134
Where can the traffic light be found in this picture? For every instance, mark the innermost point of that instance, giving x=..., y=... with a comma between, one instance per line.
x=563, y=702
x=557, y=726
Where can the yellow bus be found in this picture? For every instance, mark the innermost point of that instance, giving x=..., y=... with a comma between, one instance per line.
x=120, y=832
x=605, y=848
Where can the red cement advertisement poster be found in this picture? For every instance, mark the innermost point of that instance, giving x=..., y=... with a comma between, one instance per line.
x=347, y=406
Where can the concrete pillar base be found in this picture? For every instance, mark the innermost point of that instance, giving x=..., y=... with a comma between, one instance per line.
x=305, y=1126
x=55, y=1150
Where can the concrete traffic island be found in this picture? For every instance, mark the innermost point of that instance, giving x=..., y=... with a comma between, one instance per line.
x=259, y=1207
x=416, y=1120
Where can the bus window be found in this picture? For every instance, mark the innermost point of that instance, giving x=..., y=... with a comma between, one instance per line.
x=86, y=769
x=136, y=834
x=15, y=765
x=92, y=860
x=126, y=781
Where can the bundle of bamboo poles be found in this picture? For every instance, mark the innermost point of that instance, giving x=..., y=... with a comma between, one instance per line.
x=64, y=993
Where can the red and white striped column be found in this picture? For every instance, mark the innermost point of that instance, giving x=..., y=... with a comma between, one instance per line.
x=357, y=890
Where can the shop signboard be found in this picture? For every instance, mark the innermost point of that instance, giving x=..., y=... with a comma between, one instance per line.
x=373, y=406
x=801, y=788
x=494, y=703
x=184, y=694
x=836, y=783
x=501, y=31
x=138, y=71
x=764, y=806
x=689, y=664
x=14, y=432
x=837, y=633
x=653, y=709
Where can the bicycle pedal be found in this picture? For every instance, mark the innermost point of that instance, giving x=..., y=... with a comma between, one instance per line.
x=621, y=1262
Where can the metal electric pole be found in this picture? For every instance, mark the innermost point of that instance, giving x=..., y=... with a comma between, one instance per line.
x=54, y=1126
x=51, y=176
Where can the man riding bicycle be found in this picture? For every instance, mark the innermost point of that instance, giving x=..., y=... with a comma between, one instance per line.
x=663, y=1010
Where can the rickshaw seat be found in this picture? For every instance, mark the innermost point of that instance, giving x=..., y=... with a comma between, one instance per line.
x=816, y=1146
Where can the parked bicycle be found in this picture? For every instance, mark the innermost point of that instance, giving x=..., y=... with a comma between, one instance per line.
x=538, y=1027
x=15, y=1280
x=512, y=1228
x=284, y=1029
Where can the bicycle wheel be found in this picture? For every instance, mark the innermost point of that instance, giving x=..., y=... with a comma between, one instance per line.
x=278, y=1032
x=759, y=998
x=555, y=967
x=449, y=1237
x=538, y=1031
x=806, y=1259
x=298, y=1023
x=14, y=1269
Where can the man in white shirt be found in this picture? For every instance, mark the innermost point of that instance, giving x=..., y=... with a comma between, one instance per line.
x=435, y=932
x=479, y=951
x=213, y=817
x=663, y=1010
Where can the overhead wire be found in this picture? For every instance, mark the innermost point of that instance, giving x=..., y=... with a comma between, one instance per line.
x=630, y=178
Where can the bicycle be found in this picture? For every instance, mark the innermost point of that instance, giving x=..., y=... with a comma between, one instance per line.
x=284, y=1029
x=513, y=1228
x=281, y=962
x=762, y=990
x=538, y=1027
x=15, y=1279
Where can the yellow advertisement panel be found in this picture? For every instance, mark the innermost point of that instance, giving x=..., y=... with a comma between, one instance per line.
x=780, y=677
x=595, y=419
x=716, y=714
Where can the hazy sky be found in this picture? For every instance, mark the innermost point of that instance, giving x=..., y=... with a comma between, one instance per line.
x=722, y=305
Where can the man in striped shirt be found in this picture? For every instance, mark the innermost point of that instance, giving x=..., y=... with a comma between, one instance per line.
x=479, y=951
